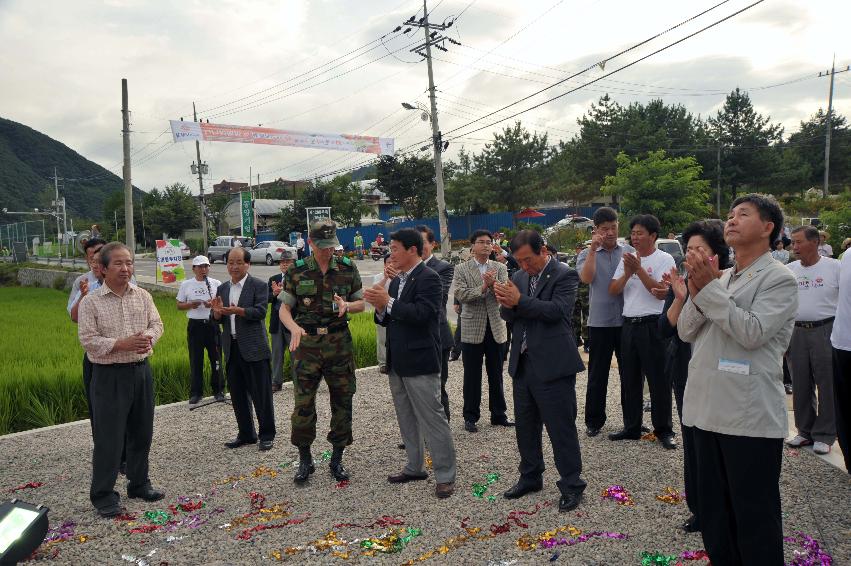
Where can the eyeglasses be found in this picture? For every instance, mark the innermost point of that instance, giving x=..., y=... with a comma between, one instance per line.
x=484, y=242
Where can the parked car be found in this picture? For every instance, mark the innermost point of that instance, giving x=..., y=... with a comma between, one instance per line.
x=269, y=252
x=674, y=248
x=223, y=244
x=571, y=221
x=184, y=250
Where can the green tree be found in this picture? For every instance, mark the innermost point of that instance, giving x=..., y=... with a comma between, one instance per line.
x=170, y=211
x=347, y=206
x=808, y=144
x=409, y=183
x=464, y=191
x=668, y=187
x=750, y=154
x=512, y=170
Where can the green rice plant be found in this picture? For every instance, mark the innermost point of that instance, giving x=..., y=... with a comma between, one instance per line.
x=41, y=358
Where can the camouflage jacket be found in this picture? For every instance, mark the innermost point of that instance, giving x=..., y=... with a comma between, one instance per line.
x=310, y=294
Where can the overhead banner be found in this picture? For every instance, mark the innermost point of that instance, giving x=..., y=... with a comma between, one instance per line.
x=202, y=131
x=246, y=208
x=169, y=262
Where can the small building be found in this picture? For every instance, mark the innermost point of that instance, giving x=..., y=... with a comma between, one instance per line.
x=229, y=187
x=266, y=211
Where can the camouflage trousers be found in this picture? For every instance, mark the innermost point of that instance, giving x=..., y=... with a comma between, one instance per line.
x=330, y=356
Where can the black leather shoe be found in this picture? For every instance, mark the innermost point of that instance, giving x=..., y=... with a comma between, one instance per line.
x=502, y=422
x=110, y=511
x=569, y=501
x=691, y=525
x=788, y=388
x=304, y=470
x=195, y=399
x=520, y=489
x=265, y=445
x=220, y=397
x=338, y=471
x=624, y=435
x=470, y=426
x=237, y=442
x=401, y=446
x=668, y=443
x=402, y=477
x=148, y=493
x=122, y=469
x=454, y=356
x=592, y=431
x=276, y=387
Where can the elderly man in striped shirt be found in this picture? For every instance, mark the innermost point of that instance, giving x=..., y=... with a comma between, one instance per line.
x=118, y=327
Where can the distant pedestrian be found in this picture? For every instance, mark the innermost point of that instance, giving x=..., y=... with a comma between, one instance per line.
x=780, y=253
x=358, y=243
x=195, y=296
x=118, y=327
x=824, y=249
x=278, y=333
x=299, y=246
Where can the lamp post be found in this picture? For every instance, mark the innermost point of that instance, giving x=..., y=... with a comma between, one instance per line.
x=439, y=146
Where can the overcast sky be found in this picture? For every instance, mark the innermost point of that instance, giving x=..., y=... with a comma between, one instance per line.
x=251, y=62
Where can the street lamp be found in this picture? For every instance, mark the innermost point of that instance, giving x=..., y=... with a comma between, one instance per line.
x=439, y=148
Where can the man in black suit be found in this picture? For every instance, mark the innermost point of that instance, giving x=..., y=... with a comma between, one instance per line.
x=544, y=362
x=240, y=307
x=278, y=332
x=445, y=271
x=411, y=313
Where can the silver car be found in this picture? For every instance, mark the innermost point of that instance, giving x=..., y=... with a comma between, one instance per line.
x=269, y=252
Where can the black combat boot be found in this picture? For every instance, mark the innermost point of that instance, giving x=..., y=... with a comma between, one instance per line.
x=305, y=465
x=336, y=465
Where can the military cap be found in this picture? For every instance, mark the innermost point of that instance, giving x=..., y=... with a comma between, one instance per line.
x=323, y=233
x=288, y=253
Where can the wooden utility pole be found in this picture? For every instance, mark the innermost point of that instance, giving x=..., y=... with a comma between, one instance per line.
x=201, y=186
x=130, y=237
x=828, y=120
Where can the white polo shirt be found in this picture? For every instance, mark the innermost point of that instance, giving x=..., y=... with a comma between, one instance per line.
x=637, y=300
x=818, y=289
x=194, y=290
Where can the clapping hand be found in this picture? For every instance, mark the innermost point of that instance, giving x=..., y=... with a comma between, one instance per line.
x=377, y=296
x=342, y=305
x=676, y=283
x=631, y=263
x=276, y=288
x=489, y=278
x=84, y=288
x=701, y=269
x=507, y=294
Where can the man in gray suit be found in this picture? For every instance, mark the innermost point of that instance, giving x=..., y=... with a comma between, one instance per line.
x=544, y=361
x=483, y=332
x=446, y=272
x=240, y=307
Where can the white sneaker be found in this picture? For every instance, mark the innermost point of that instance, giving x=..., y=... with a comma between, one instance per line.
x=799, y=441
x=821, y=448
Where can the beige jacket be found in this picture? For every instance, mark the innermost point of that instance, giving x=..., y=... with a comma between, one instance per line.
x=740, y=326
x=478, y=309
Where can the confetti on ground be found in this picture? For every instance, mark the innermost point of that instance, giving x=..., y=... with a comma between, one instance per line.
x=649, y=436
x=28, y=485
x=671, y=496
x=384, y=521
x=479, y=489
x=812, y=553
x=618, y=494
x=256, y=473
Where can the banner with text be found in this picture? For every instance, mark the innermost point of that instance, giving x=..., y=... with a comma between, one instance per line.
x=246, y=208
x=313, y=214
x=169, y=262
x=202, y=131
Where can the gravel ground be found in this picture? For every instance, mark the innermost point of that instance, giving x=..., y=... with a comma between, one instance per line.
x=188, y=460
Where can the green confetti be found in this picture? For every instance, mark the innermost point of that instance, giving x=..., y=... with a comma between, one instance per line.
x=157, y=517
x=326, y=455
x=479, y=489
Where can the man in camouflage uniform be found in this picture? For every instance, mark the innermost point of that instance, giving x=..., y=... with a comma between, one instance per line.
x=318, y=292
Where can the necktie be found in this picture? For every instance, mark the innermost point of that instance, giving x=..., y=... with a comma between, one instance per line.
x=533, y=282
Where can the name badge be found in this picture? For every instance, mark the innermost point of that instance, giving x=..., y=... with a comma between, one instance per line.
x=740, y=367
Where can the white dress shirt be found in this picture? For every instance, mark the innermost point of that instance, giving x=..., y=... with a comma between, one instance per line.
x=235, y=292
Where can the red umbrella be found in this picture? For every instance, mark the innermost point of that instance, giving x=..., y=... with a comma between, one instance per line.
x=529, y=213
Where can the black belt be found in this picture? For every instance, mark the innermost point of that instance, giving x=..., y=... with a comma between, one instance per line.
x=200, y=321
x=323, y=330
x=641, y=319
x=813, y=323
x=124, y=365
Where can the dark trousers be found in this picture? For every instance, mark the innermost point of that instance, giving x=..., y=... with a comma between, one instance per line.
x=123, y=404
x=492, y=352
x=602, y=343
x=842, y=396
x=87, y=383
x=444, y=377
x=643, y=353
x=457, y=345
x=250, y=382
x=739, y=496
x=203, y=335
x=679, y=375
x=551, y=404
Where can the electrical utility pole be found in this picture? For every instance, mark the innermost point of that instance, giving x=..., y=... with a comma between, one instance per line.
x=718, y=182
x=433, y=38
x=130, y=236
x=829, y=124
x=202, y=168
x=56, y=204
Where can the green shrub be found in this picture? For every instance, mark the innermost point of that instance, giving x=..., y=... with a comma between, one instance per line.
x=59, y=283
x=42, y=380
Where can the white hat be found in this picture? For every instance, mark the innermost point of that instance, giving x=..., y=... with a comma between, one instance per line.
x=200, y=260
x=339, y=247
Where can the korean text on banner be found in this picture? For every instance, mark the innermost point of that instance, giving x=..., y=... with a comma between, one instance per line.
x=246, y=208
x=170, y=262
x=202, y=131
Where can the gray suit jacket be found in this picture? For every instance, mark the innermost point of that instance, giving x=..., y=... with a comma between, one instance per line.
x=545, y=320
x=739, y=330
x=446, y=272
x=250, y=329
x=479, y=309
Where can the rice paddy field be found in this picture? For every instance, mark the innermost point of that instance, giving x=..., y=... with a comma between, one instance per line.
x=41, y=380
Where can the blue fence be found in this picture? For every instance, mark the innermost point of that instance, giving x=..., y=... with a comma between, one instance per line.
x=460, y=227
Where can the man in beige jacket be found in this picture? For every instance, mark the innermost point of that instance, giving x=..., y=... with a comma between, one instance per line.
x=483, y=332
x=740, y=322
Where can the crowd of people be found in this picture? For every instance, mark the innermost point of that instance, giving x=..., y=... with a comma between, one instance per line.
x=713, y=338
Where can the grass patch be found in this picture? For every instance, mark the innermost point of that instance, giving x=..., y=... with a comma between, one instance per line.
x=41, y=383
